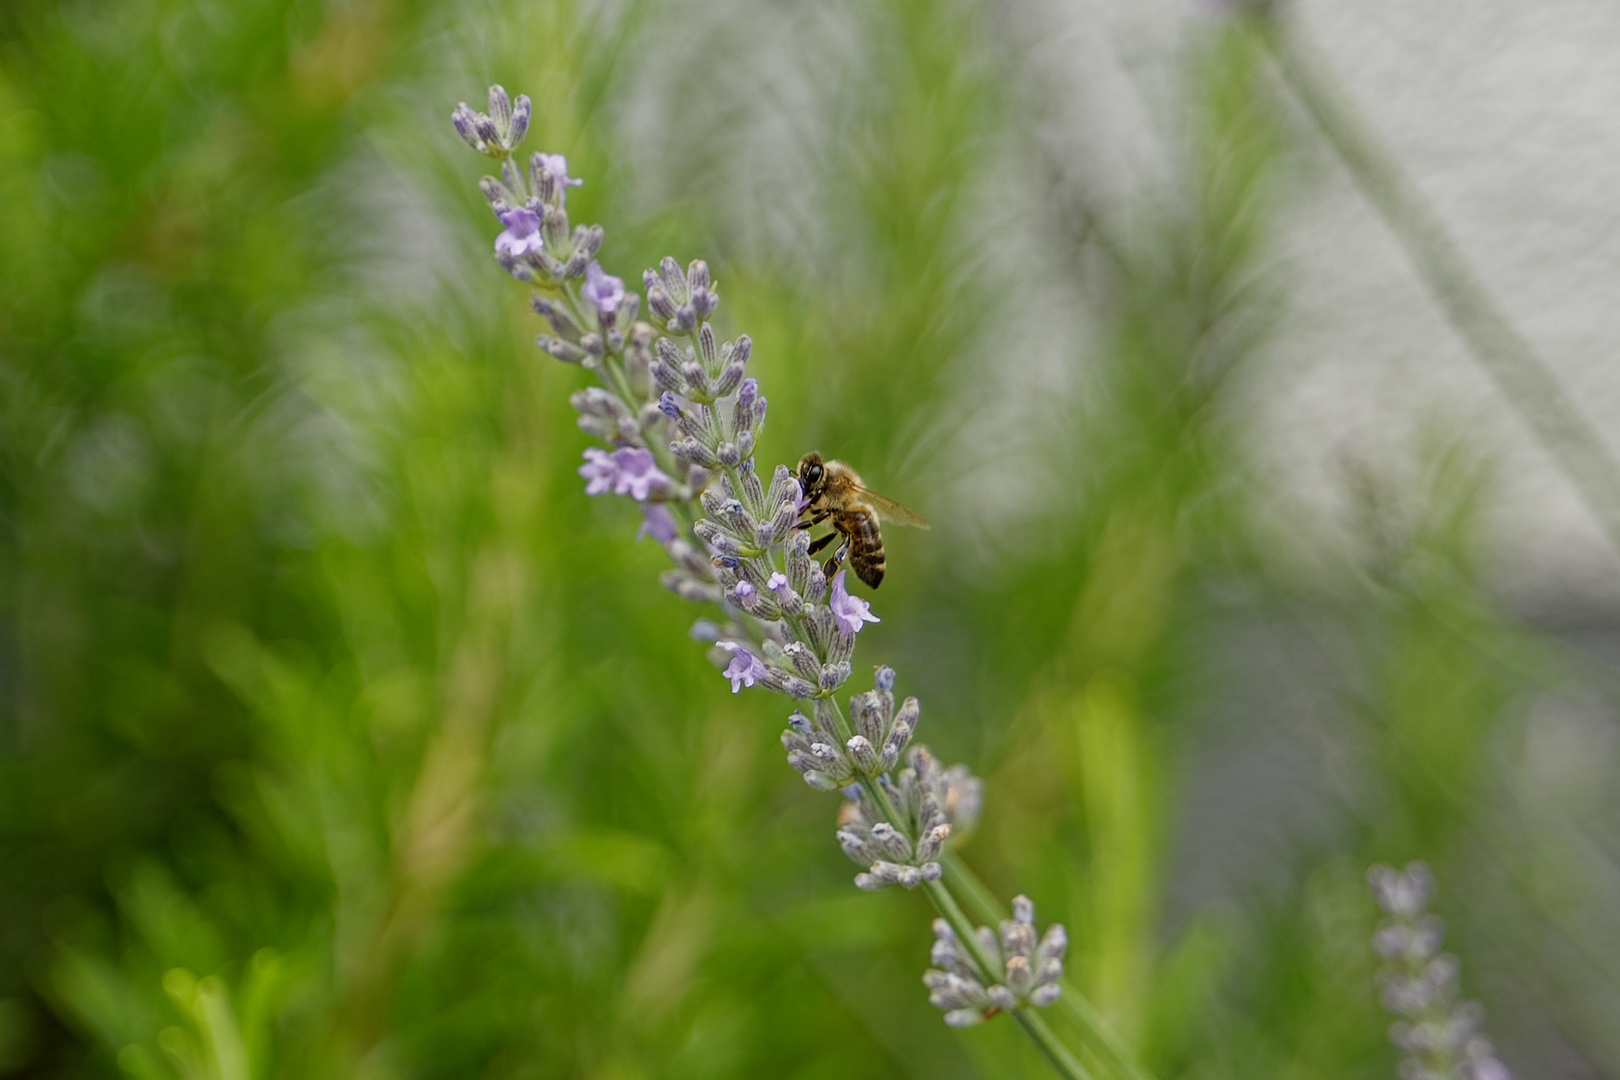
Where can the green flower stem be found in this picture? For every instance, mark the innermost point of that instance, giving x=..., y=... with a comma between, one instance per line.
x=1525, y=380
x=1085, y=1016
x=1058, y=1054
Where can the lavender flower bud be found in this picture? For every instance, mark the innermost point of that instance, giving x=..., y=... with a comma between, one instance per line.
x=781, y=524
x=890, y=841
x=1045, y=994
x=693, y=451
x=554, y=228
x=674, y=280
x=729, y=379
x=1401, y=894
x=501, y=198
x=747, y=397
x=863, y=755
x=728, y=454
x=932, y=843
x=576, y=264
x=1054, y=943
x=511, y=177
x=820, y=780
x=731, y=514
x=518, y=127
x=589, y=240
x=628, y=307
x=895, y=744
x=697, y=274
x=668, y=378
x=561, y=321
x=566, y=351
x=863, y=715
x=833, y=675
x=818, y=625
x=500, y=106
x=795, y=687
x=598, y=428
x=803, y=660
x=711, y=534
x=695, y=423
x=708, y=351
x=659, y=303
x=596, y=401
x=687, y=589
x=683, y=320
x=882, y=875
x=703, y=297
x=465, y=120
x=490, y=135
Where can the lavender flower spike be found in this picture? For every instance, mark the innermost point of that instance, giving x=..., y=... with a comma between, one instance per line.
x=1029, y=972
x=849, y=612
x=1438, y=1036
x=679, y=419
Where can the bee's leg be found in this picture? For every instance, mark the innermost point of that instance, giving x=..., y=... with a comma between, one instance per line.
x=817, y=545
x=820, y=516
x=832, y=564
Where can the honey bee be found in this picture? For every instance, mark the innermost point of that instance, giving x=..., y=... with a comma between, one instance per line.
x=837, y=495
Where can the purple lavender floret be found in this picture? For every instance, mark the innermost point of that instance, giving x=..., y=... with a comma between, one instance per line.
x=557, y=166
x=638, y=473
x=628, y=470
x=604, y=291
x=658, y=523
x=745, y=668
x=522, y=234
x=600, y=471
x=849, y=612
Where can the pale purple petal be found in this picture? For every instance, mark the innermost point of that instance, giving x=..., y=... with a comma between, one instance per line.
x=776, y=581
x=659, y=523
x=557, y=166
x=600, y=471
x=849, y=612
x=744, y=589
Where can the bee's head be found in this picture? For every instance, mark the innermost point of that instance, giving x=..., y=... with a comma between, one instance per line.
x=810, y=471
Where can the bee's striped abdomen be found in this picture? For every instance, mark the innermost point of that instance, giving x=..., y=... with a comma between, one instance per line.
x=865, y=546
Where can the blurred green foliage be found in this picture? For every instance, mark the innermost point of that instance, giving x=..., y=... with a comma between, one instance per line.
x=343, y=736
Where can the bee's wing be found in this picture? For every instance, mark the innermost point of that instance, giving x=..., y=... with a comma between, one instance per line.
x=891, y=511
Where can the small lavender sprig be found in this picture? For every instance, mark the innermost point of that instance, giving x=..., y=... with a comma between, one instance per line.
x=682, y=419
x=1031, y=972
x=1438, y=1036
